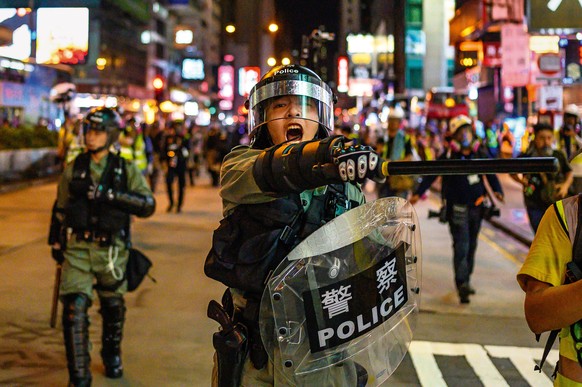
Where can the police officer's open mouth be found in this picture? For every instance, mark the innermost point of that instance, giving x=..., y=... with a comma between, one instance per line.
x=294, y=133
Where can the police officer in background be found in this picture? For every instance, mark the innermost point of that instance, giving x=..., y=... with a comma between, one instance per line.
x=89, y=236
x=293, y=178
x=175, y=158
x=464, y=197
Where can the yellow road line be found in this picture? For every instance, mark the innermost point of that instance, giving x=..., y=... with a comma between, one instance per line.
x=506, y=254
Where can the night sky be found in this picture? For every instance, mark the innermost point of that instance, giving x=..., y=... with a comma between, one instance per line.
x=301, y=17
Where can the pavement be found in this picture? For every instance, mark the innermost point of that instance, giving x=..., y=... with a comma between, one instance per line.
x=513, y=219
x=168, y=335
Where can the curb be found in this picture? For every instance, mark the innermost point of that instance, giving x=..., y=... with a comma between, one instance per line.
x=517, y=236
x=22, y=184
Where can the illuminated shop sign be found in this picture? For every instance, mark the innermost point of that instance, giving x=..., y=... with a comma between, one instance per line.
x=193, y=69
x=226, y=86
x=62, y=35
x=17, y=21
x=247, y=78
x=342, y=74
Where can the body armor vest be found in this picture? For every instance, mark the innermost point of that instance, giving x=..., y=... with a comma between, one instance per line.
x=251, y=242
x=84, y=214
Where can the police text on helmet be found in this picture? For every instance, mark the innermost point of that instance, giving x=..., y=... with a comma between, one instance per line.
x=287, y=71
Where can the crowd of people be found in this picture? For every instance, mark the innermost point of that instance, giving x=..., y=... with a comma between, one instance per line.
x=395, y=141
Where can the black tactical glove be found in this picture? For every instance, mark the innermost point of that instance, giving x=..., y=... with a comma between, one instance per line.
x=134, y=203
x=356, y=163
x=57, y=255
x=97, y=193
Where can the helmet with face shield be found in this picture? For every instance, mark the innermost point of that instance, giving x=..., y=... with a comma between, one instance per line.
x=293, y=97
x=103, y=119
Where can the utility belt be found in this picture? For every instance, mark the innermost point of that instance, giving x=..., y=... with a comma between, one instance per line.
x=103, y=238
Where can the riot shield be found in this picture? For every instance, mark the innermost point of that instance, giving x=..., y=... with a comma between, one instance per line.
x=342, y=307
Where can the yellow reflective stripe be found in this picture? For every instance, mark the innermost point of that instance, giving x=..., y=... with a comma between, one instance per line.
x=559, y=206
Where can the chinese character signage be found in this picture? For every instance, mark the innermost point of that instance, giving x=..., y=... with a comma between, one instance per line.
x=345, y=310
x=491, y=54
x=516, y=55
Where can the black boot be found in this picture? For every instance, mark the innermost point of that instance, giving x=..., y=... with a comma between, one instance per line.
x=464, y=292
x=113, y=313
x=76, y=334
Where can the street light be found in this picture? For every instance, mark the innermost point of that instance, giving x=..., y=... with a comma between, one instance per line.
x=230, y=28
x=285, y=61
x=271, y=61
x=273, y=27
x=101, y=62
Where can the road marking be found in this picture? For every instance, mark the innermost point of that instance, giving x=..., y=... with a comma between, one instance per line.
x=524, y=359
x=479, y=358
x=500, y=249
x=427, y=370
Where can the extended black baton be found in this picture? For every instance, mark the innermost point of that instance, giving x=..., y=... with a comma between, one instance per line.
x=471, y=166
x=55, y=305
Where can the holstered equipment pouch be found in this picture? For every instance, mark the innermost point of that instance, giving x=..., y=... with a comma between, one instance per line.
x=231, y=346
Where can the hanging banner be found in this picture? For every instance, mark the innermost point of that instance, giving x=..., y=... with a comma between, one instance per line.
x=515, y=59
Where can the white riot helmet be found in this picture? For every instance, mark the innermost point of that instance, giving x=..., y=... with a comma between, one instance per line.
x=396, y=112
x=290, y=80
x=458, y=122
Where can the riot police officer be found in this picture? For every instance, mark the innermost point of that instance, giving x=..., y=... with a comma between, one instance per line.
x=293, y=178
x=90, y=237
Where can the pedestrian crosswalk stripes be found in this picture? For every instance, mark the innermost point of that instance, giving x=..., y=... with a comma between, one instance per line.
x=480, y=358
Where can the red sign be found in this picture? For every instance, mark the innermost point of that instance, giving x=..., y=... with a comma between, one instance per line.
x=491, y=54
x=247, y=78
x=342, y=74
x=436, y=111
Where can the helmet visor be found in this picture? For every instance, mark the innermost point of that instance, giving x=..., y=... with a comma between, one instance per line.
x=287, y=99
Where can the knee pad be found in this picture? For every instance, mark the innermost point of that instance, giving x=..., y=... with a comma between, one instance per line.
x=113, y=307
x=75, y=306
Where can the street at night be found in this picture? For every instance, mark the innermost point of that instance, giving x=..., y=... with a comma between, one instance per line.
x=168, y=336
x=333, y=193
